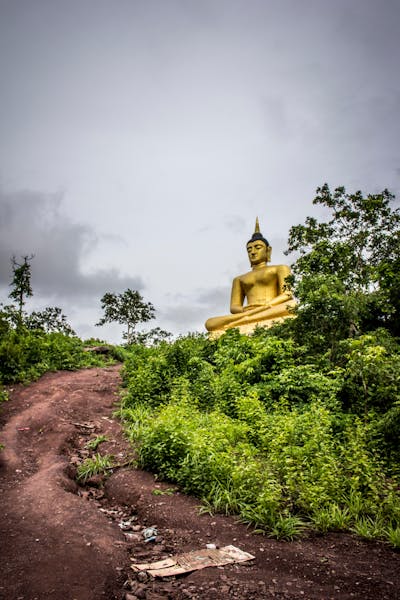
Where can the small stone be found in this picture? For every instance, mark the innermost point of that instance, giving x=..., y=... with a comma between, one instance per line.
x=133, y=537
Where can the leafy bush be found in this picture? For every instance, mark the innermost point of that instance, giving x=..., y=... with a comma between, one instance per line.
x=25, y=354
x=251, y=428
x=372, y=373
x=3, y=395
x=94, y=465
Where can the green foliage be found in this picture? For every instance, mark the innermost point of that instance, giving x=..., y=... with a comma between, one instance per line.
x=331, y=517
x=154, y=337
x=95, y=442
x=151, y=373
x=347, y=275
x=31, y=344
x=94, y=465
x=25, y=354
x=353, y=243
x=10, y=318
x=49, y=320
x=3, y=395
x=252, y=428
x=166, y=492
x=392, y=534
x=127, y=308
x=326, y=314
x=368, y=527
x=287, y=527
x=21, y=283
x=372, y=373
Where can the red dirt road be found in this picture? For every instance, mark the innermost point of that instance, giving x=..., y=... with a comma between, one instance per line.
x=63, y=541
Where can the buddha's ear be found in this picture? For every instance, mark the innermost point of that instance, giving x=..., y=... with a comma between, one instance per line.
x=269, y=252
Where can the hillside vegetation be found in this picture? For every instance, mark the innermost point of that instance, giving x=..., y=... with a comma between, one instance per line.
x=253, y=427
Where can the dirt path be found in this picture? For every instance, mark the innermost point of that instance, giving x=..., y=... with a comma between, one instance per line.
x=62, y=541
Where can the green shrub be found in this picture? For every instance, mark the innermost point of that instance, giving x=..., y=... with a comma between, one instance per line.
x=3, y=395
x=252, y=429
x=25, y=355
x=371, y=373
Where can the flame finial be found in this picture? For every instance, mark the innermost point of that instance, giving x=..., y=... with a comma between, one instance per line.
x=257, y=235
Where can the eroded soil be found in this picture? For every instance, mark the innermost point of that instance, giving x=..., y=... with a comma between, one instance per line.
x=64, y=541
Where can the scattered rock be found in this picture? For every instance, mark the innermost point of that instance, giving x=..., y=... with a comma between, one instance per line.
x=142, y=576
x=104, y=350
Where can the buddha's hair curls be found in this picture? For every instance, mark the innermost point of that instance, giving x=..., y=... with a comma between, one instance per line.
x=257, y=236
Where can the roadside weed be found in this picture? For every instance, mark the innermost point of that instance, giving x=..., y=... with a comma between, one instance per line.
x=288, y=528
x=94, y=465
x=95, y=442
x=369, y=527
x=166, y=492
x=392, y=534
x=332, y=517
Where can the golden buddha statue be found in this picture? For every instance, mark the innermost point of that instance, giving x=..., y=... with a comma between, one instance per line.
x=268, y=302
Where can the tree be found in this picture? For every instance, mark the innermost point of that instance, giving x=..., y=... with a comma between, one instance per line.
x=353, y=243
x=154, y=337
x=9, y=318
x=49, y=320
x=347, y=278
x=21, y=282
x=128, y=308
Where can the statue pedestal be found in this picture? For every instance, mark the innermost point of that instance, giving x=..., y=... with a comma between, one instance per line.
x=250, y=327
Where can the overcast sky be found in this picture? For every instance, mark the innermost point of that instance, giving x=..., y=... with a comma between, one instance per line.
x=139, y=139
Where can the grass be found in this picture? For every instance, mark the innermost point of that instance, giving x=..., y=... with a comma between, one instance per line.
x=94, y=465
x=95, y=442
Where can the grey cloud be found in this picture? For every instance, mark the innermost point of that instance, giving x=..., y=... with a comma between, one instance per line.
x=215, y=297
x=192, y=314
x=275, y=115
x=235, y=223
x=183, y=316
x=33, y=223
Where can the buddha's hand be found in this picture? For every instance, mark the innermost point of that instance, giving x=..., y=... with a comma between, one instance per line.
x=256, y=307
x=235, y=309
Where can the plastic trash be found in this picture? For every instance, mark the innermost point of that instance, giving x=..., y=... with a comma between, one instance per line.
x=150, y=534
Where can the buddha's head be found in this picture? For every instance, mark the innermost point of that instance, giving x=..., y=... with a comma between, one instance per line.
x=258, y=248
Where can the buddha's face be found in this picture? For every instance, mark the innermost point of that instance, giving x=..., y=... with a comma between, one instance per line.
x=258, y=252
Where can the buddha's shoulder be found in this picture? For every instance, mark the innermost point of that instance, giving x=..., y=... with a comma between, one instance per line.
x=242, y=278
x=267, y=268
x=280, y=267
